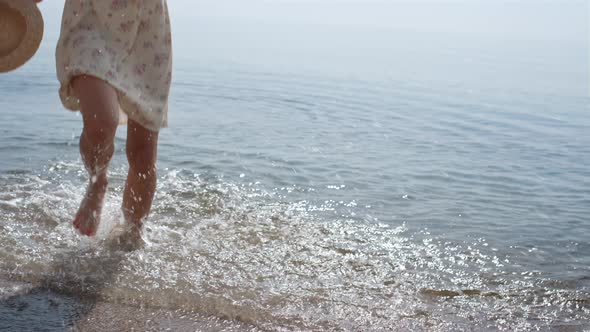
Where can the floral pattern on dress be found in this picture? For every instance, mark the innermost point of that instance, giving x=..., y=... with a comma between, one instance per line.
x=126, y=43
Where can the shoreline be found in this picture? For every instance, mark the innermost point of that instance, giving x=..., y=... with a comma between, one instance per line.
x=24, y=306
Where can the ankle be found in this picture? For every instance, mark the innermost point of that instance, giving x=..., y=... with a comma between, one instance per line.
x=99, y=180
x=131, y=219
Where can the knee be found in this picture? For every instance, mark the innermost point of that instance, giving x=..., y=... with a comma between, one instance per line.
x=98, y=104
x=100, y=133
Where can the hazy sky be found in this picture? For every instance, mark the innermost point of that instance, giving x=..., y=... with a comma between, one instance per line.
x=559, y=19
x=392, y=37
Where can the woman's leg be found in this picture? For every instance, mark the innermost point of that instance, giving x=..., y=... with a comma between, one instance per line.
x=100, y=113
x=142, y=145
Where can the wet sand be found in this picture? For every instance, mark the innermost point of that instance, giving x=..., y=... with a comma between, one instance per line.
x=25, y=307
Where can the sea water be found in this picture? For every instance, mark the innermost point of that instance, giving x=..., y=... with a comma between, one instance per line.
x=329, y=166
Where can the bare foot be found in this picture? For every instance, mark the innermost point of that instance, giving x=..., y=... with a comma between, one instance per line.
x=88, y=216
x=132, y=239
x=126, y=237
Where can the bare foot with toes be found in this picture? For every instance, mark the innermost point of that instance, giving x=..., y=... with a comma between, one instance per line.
x=88, y=215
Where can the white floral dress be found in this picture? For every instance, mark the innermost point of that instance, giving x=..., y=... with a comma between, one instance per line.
x=126, y=43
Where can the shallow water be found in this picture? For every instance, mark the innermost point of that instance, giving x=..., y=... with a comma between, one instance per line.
x=303, y=199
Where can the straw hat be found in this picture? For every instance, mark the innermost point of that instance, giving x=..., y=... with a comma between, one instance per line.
x=21, y=31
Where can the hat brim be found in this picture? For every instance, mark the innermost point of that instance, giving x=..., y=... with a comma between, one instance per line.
x=31, y=39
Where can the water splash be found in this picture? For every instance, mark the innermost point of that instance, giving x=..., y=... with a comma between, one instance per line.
x=240, y=252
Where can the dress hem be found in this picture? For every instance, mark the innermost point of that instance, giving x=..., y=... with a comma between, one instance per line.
x=127, y=108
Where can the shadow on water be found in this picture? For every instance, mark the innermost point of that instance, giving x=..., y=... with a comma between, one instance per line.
x=63, y=297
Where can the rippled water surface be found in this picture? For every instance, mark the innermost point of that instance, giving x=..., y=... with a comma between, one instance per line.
x=294, y=198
